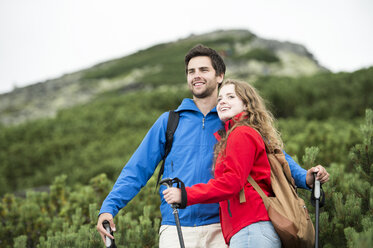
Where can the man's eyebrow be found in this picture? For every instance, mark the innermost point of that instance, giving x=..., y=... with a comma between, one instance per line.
x=199, y=68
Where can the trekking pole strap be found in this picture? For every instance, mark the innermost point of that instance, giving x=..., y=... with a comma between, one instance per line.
x=181, y=186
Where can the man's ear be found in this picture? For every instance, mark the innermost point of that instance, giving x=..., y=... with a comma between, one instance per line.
x=222, y=77
x=220, y=80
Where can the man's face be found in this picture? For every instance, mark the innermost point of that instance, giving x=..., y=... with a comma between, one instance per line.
x=201, y=77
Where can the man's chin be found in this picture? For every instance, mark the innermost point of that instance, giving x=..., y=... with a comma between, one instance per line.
x=202, y=93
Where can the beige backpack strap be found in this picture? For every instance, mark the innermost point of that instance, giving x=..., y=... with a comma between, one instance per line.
x=242, y=196
x=259, y=190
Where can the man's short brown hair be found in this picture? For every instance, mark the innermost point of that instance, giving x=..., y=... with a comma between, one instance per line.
x=201, y=50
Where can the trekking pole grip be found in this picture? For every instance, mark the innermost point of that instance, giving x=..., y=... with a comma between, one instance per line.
x=317, y=186
x=167, y=182
x=109, y=243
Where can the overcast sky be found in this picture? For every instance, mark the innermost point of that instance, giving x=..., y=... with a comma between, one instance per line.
x=44, y=39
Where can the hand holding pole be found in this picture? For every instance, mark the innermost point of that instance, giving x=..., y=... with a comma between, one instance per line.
x=168, y=182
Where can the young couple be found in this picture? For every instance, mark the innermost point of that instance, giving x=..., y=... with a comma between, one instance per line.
x=239, y=152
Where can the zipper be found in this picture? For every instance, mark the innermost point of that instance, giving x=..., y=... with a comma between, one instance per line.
x=229, y=208
x=172, y=166
x=203, y=123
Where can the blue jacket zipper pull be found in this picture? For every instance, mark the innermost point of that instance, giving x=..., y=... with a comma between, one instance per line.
x=203, y=123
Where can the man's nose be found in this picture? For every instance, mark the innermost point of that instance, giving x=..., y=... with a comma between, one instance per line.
x=197, y=74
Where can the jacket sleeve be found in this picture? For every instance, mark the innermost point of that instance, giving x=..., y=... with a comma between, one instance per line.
x=297, y=172
x=138, y=169
x=239, y=158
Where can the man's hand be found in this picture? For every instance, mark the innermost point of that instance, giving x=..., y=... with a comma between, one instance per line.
x=172, y=195
x=100, y=227
x=322, y=175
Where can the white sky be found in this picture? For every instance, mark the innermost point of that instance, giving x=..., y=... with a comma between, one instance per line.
x=44, y=39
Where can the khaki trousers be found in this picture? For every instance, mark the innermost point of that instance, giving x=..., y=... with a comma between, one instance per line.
x=194, y=237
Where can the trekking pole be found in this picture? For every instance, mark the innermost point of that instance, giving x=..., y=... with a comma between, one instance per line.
x=168, y=182
x=316, y=193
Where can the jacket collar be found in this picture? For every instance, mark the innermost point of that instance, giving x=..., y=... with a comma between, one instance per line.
x=188, y=104
x=229, y=123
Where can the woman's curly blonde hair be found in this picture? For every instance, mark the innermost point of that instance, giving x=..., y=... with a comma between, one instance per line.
x=256, y=116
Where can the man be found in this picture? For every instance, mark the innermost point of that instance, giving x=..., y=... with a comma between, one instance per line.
x=190, y=158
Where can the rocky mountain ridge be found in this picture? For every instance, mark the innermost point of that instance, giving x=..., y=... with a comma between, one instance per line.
x=246, y=55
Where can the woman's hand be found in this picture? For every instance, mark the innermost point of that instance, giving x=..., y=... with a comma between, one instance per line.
x=172, y=195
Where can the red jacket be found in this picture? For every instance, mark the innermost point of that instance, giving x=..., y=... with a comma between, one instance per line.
x=244, y=154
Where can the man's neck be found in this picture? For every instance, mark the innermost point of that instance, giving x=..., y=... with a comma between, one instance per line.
x=205, y=104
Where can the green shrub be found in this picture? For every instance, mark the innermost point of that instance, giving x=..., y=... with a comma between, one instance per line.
x=259, y=54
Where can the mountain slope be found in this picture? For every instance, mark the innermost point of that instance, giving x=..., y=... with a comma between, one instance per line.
x=246, y=55
x=100, y=136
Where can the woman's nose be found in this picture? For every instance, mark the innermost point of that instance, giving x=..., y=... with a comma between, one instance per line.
x=221, y=101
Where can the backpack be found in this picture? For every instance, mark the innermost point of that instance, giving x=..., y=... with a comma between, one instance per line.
x=173, y=121
x=287, y=212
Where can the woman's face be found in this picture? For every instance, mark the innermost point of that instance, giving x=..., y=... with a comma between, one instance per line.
x=229, y=104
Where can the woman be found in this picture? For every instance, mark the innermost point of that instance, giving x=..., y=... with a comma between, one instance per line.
x=239, y=152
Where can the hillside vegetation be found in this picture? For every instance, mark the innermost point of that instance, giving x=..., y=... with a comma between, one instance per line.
x=247, y=57
x=99, y=136
x=55, y=172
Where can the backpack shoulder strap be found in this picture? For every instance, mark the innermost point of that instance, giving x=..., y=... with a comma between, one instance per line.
x=259, y=190
x=173, y=121
x=280, y=156
x=276, y=158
